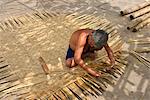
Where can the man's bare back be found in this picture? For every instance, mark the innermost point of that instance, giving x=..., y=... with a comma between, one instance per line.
x=85, y=41
x=75, y=36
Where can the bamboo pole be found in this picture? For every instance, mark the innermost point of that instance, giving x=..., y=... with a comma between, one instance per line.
x=138, y=21
x=141, y=25
x=140, y=13
x=136, y=8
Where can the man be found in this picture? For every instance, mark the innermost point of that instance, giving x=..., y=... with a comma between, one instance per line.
x=84, y=43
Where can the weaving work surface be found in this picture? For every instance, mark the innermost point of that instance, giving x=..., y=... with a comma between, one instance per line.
x=28, y=37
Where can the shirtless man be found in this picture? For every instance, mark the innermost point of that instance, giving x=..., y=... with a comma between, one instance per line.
x=84, y=43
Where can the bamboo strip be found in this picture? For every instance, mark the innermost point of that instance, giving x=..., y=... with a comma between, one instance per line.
x=91, y=86
x=86, y=88
x=146, y=39
x=100, y=86
x=140, y=13
x=75, y=94
x=141, y=25
x=142, y=59
x=144, y=50
x=135, y=8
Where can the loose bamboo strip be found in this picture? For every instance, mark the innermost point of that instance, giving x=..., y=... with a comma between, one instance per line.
x=1, y=27
x=141, y=25
x=7, y=25
x=85, y=87
x=17, y=22
x=12, y=26
x=109, y=79
x=110, y=26
x=6, y=76
x=76, y=88
x=75, y=94
x=135, y=8
x=88, y=21
x=4, y=66
x=95, y=24
x=142, y=59
x=140, y=13
x=64, y=95
x=45, y=14
x=141, y=43
x=74, y=18
x=4, y=26
x=145, y=39
x=143, y=50
x=81, y=89
x=91, y=86
x=90, y=83
x=98, y=85
x=67, y=93
x=83, y=21
x=101, y=86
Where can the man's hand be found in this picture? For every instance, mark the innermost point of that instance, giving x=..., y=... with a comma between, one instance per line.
x=90, y=71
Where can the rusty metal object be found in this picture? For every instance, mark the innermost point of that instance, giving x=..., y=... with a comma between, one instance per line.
x=44, y=65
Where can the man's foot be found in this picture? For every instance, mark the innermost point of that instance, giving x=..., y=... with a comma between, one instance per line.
x=92, y=72
x=70, y=63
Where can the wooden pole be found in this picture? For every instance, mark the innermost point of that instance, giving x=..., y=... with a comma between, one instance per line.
x=136, y=8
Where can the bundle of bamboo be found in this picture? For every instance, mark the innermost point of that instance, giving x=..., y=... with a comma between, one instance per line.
x=134, y=9
x=140, y=13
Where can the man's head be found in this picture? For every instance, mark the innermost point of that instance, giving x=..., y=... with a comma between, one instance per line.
x=100, y=38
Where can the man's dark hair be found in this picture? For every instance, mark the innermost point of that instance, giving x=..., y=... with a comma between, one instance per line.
x=100, y=37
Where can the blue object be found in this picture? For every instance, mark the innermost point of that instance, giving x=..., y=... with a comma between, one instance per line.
x=70, y=53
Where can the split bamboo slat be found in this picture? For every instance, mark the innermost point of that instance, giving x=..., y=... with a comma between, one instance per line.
x=135, y=8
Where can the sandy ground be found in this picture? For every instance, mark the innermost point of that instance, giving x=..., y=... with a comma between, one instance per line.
x=133, y=85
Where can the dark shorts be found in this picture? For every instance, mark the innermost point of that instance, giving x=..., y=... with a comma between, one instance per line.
x=70, y=53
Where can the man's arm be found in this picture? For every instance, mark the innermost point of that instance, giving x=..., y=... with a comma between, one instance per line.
x=78, y=53
x=79, y=50
x=110, y=55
